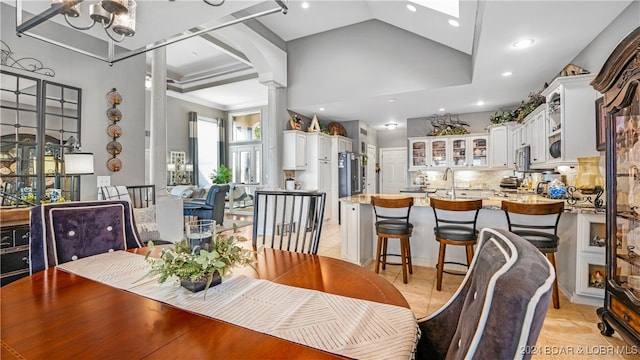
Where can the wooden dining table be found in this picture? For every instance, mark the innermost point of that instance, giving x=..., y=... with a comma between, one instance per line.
x=54, y=314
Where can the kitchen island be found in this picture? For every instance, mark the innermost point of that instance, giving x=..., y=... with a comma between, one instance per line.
x=575, y=259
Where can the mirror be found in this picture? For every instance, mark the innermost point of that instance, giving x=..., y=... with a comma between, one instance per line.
x=39, y=123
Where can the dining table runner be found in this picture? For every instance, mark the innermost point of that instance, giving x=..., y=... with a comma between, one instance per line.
x=341, y=325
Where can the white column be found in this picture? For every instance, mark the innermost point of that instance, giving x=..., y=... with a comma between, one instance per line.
x=272, y=127
x=158, y=123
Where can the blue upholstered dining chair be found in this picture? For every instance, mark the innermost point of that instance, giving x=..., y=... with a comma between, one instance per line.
x=211, y=208
x=498, y=310
x=62, y=232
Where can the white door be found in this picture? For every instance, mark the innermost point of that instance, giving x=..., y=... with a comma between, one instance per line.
x=393, y=170
x=371, y=170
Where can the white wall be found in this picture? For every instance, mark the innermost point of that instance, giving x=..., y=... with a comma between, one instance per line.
x=95, y=78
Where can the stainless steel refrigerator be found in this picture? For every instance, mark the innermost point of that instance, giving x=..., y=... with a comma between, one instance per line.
x=349, y=174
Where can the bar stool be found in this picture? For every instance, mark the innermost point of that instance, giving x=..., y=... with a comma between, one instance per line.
x=393, y=222
x=530, y=224
x=455, y=225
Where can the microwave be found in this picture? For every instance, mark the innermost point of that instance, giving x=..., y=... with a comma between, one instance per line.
x=523, y=158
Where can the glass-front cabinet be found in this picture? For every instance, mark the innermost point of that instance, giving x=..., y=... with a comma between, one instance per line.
x=479, y=155
x=459, y=152
x=618, y=81
x=39, y=123
x=439, y=152
x=418, y=159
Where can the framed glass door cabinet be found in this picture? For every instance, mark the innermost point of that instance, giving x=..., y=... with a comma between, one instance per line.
x=619, y=81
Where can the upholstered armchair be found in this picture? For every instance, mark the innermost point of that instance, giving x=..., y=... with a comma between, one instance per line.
x=62, y=232
x=499, y=308
x=210, y=208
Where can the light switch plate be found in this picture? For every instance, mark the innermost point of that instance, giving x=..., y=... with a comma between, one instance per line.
x=104, y=181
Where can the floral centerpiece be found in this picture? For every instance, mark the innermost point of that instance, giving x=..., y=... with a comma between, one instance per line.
x=196, y=268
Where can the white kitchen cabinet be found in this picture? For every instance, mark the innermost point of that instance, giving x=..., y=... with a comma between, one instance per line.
x=295, y=150
x=357, y=233
x=569, y=120
x=537, y=120
x=459, y=152
x=439, y=150
x=317, y=175
x=590, y=259
x=478, y=153
x=418, y=151
x=500, y=149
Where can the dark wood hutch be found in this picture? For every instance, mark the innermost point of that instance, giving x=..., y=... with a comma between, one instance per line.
x=618, y=82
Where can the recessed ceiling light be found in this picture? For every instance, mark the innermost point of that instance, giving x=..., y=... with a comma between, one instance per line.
x=524, y=43
x=194, y=53
x=441, y=109
x=507, y=73
x=391, y=126
x=305, y=5
x=454, y=23
x=321, y=109
x=411, y=8
x=392, y=100
x=480, y=103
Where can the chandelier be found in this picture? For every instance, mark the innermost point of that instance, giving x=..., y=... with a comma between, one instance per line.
x=117, y=15
x=118, y=19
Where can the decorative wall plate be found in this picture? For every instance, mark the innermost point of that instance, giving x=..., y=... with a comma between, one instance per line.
x=114, y=97
x=114, y=148
x=114, y=164
x=114, y=114
x=114, y=131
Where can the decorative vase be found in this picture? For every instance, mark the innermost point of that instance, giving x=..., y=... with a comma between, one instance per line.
x=588, y=180
x=200, y=284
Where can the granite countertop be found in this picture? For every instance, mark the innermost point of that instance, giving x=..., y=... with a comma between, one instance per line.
x=492, y=202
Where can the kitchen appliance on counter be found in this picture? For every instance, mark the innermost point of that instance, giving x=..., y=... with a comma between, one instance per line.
x=510, y=182
x=349, y=175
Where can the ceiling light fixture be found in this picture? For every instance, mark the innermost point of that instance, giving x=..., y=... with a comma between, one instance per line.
x=480, y=103
x=304, y=5
x=391, y=126
x=441, y=109
x=507, y=73
x=411, y=8
x=321, y=109
x=524, y=43
x=454, y=23
x=392, y=100
x=117, y=15
x=117, y=18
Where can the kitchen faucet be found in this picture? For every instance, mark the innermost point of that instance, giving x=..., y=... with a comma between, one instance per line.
x=453, y=186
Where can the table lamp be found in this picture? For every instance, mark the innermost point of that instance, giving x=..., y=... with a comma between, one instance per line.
x=77, y=164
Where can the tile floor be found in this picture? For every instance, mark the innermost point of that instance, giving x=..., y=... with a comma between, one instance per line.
x=570, y=332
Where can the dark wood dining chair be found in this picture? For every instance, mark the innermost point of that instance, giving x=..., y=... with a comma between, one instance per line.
x=456, y=226
x=538, y=224
x=392, y=221
x=289, y=221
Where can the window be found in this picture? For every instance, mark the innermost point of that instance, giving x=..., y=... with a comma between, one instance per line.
x=245, y=127
x=208, y=150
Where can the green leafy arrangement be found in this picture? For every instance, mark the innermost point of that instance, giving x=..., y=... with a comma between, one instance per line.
x=196, y=264
x=526, y=107
x=221, y=176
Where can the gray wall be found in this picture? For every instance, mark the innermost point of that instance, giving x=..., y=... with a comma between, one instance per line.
x=95, y=78
x=378, y=59
x=596, y=53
